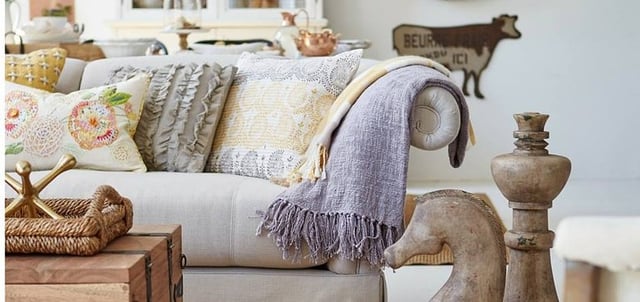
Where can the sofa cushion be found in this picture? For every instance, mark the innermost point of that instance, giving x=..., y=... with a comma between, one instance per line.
x=69, y=80
x=38, y=69
x=96, y=73
x=274, y=108
x=249, y=285
x=181, y=113
x=94, y=125
x=219, y=213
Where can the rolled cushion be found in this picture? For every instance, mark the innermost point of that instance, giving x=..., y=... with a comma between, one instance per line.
x=435, y=119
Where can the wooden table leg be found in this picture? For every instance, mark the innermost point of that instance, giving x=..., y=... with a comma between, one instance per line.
x=581, y=282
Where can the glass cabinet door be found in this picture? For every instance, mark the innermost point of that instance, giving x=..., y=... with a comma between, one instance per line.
x=233, y=11
x=284, y=4
x=268, y=10
x=152, y=10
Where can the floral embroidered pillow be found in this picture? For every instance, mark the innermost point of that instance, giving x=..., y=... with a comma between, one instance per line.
x=274, y=107
x=95, y=125
x=39, y=69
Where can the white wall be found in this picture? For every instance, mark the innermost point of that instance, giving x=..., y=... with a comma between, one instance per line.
x=577, y=60
x=95, y=15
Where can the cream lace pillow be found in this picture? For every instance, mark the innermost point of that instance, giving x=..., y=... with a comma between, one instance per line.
x=95, y=125
x=273, y=109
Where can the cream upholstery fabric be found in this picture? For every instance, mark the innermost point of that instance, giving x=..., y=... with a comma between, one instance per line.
x=309, y=285
x=430, y=116
x=70, y=76
x=96, y=72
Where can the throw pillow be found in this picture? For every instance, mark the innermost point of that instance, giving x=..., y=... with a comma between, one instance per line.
x=95, y=125
x=274, y=107
x=39, y=69
x=181, y=113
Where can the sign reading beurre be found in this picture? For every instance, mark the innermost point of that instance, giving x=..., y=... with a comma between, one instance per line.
x=467, y=48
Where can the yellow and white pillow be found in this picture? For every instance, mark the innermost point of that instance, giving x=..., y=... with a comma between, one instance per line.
x=274, y=107
x=94, y=125
x=39, y=69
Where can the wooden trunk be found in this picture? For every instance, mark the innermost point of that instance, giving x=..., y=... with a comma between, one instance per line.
x=172, y=234
x=144, y=265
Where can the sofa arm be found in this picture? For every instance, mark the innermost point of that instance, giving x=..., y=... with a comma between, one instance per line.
x=435, y=119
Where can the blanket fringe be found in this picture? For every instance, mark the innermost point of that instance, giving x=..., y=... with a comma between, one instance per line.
x=350, y=236
x=313, y=165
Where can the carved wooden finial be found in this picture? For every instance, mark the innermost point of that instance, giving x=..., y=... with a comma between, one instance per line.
x=530, y=178
x=28, y=193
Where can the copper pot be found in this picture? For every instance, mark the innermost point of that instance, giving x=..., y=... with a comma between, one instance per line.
x=316, y=44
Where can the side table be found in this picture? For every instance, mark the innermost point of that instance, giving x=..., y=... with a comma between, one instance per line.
x=144, y=265
x=183, y=34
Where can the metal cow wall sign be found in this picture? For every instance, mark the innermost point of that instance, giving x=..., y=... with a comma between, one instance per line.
x=468, y=47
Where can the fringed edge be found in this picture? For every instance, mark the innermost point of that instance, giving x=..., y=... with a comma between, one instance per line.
x=312, y=167
x=327, y=235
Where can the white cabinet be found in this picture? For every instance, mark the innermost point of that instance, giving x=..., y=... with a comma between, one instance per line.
x=226, y=19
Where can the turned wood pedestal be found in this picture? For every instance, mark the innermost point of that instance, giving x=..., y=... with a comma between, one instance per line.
x=530, y=178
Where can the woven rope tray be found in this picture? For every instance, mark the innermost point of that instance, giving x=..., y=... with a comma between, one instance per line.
x=87, y=226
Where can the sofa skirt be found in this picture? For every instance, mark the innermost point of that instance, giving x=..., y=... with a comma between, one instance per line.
x=240, y=284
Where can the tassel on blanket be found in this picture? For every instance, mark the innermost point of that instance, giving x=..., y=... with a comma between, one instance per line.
x=348, y=235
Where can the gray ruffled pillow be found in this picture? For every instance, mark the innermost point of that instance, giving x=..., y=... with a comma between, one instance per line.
x=181, y=113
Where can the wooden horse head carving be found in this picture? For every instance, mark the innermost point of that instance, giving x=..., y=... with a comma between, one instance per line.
x=467, y=225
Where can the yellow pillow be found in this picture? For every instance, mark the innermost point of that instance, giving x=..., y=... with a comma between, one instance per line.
x=39, y=69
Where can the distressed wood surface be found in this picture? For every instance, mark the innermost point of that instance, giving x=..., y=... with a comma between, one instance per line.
x=530, y=178
x=119, y=270
x=96, y=292
x=469, y=227
x=581, y=282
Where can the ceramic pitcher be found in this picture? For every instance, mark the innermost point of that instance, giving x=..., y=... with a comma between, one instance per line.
x=11, y=18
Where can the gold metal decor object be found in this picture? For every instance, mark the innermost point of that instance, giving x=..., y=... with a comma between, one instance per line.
x=316, y=44
x=28, y=193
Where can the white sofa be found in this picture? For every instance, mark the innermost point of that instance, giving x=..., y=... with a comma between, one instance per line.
x=226, y=261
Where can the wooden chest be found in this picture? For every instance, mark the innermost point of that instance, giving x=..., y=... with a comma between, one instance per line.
x=144, y=265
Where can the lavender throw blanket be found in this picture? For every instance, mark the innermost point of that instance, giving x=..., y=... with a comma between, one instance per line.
x=356, y=211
